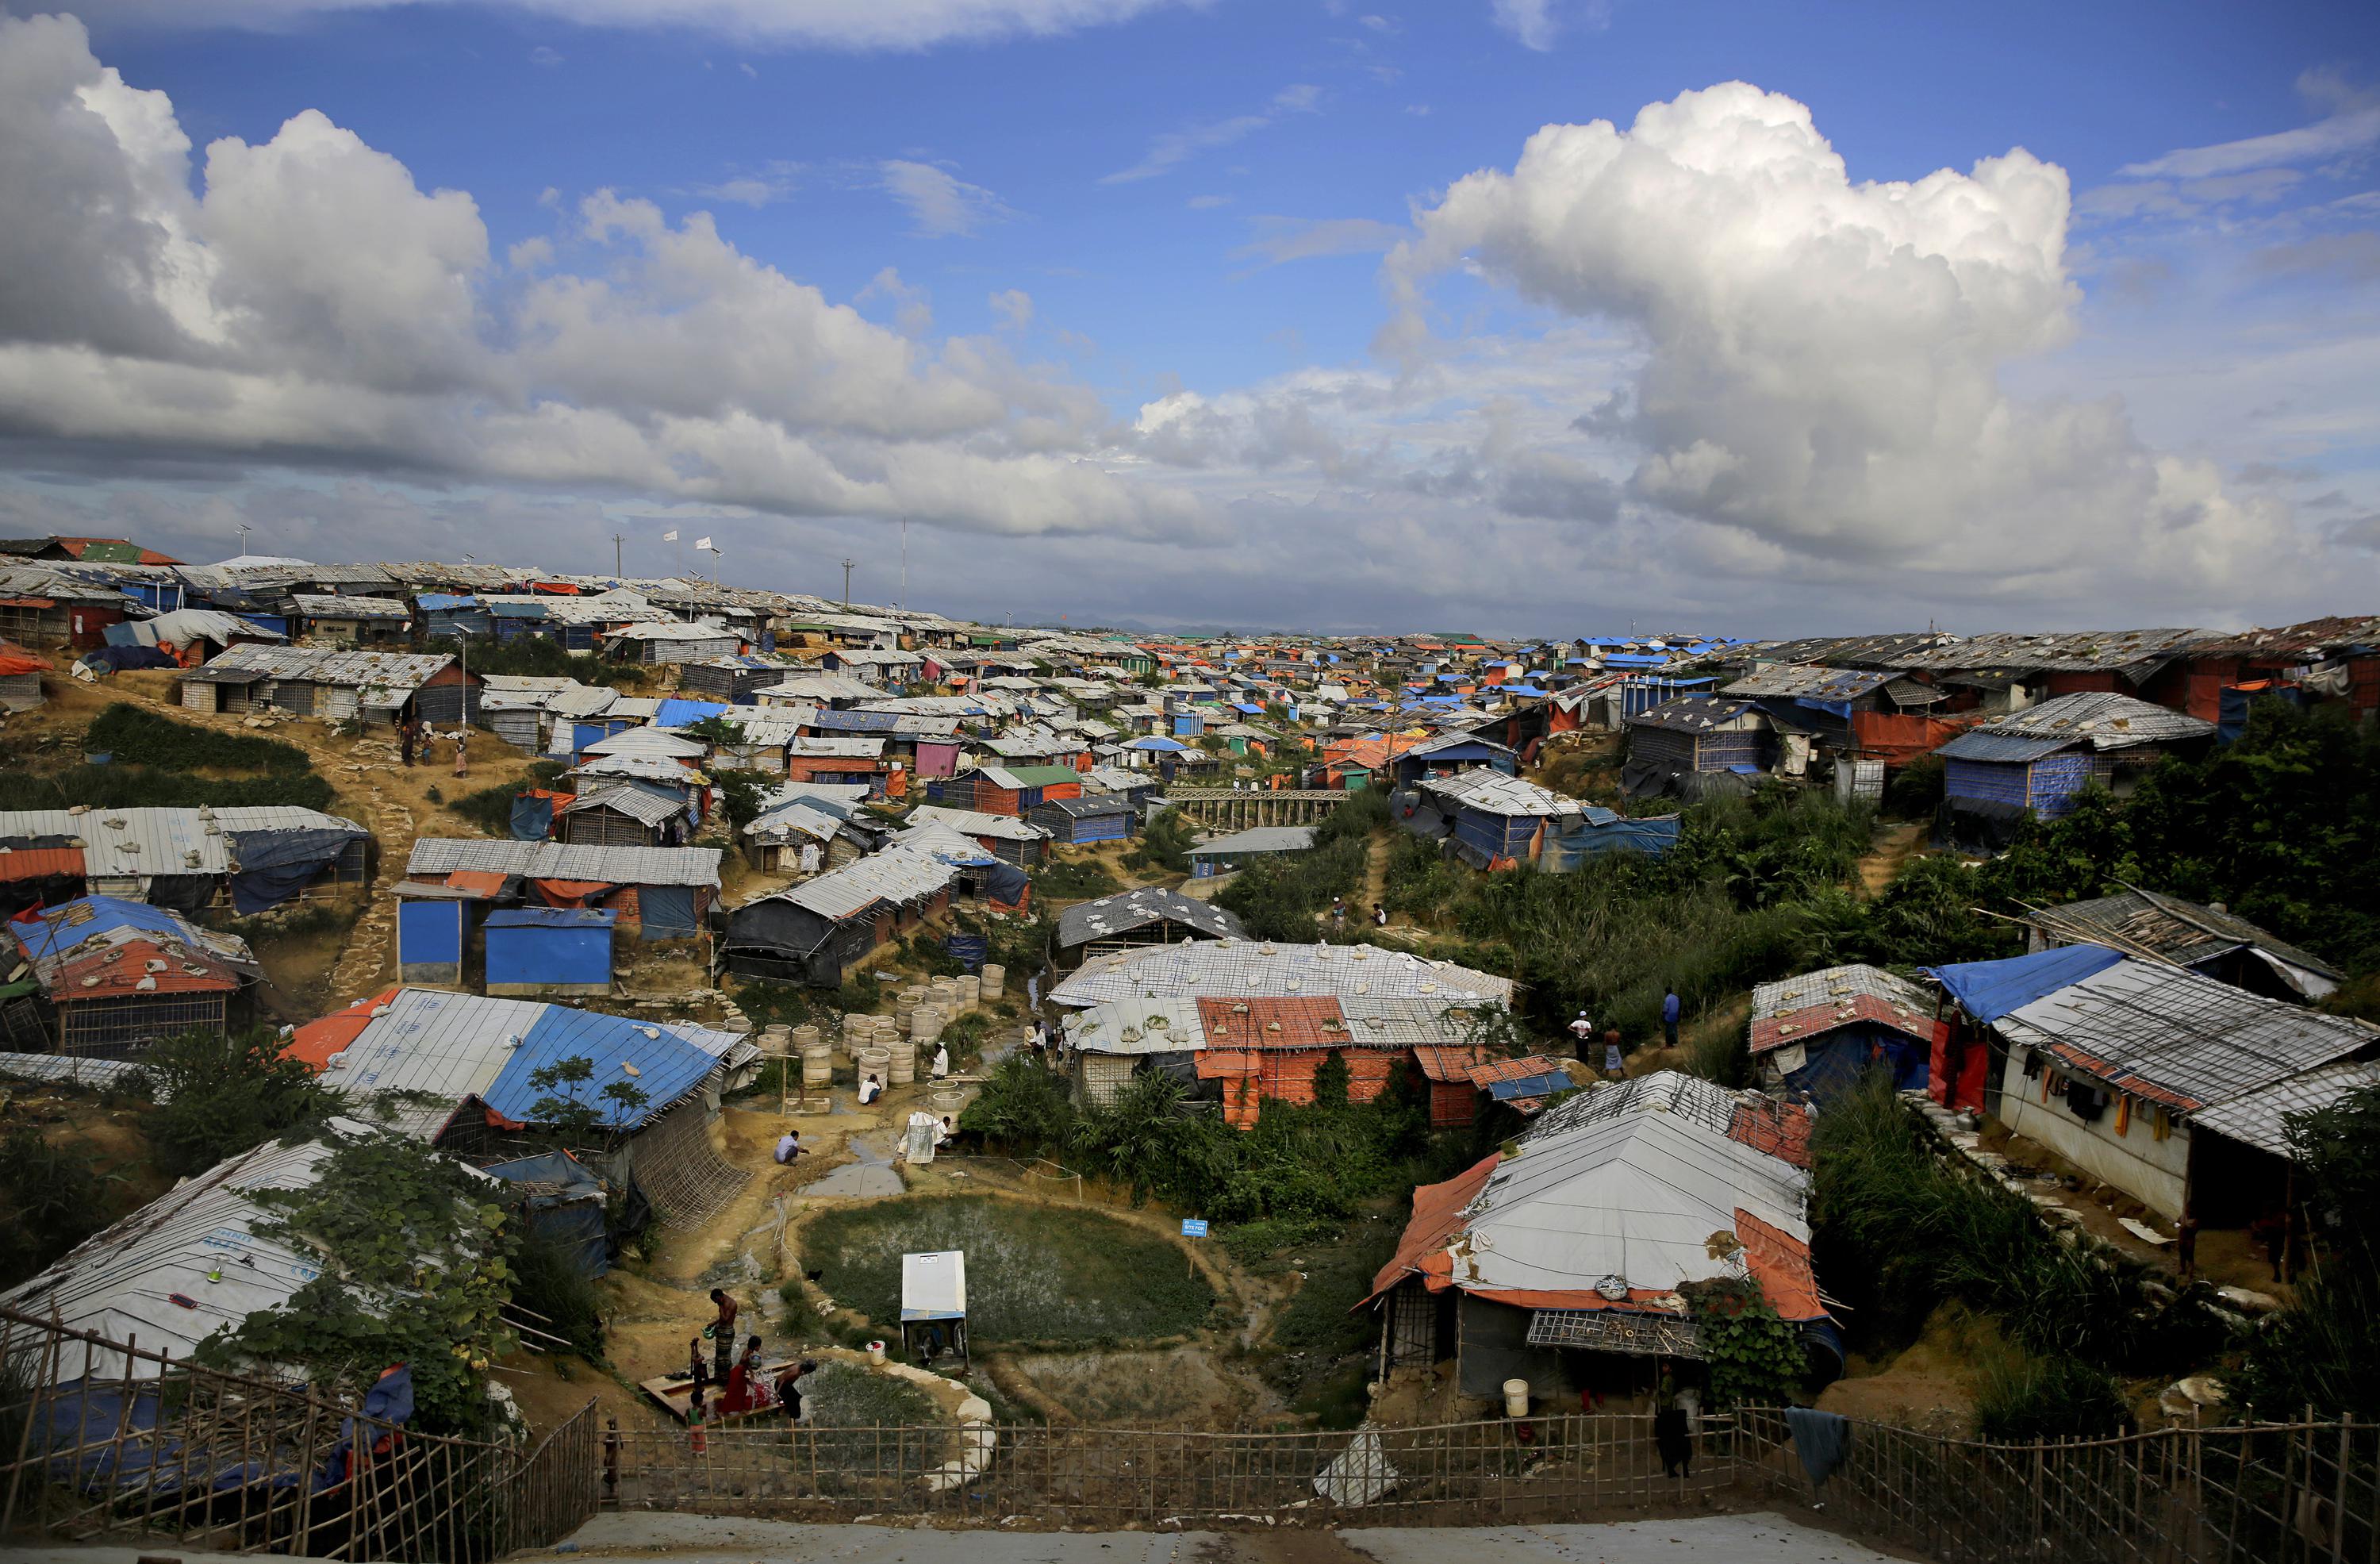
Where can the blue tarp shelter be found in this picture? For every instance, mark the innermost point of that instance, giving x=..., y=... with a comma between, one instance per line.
x=1988, y=990
x=275, y=865
x=564, y=1202
x=543, y=949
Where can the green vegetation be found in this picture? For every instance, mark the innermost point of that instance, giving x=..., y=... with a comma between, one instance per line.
x=844, y=1405
x=1071, y=880
x=1756, y=1359
x=136, y=735
x=490, y=808
x=157, y=762
x=1321, y=1343
x=50, y=1201
x=219, y=1096
x=1035, y=1273
x=741, y=792
x=1321, y=1161
x=1165, y=844
x=565, y=1107
x=1277, y=896
x=2324, y=1352
x=1898, y=1230
x=414, y=1272
x=548, y=1282
x=2021, y=1398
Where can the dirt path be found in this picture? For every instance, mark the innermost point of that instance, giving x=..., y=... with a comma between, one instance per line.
x=1895, y=844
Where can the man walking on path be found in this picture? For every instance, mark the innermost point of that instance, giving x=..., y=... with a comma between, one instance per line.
x=1669, y=1019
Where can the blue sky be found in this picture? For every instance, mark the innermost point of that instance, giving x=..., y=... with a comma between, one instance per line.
x=1056, y=229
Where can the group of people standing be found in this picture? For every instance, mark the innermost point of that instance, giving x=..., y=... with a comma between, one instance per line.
x=1607, y=1054
x=743, y=1387
x=412, y=734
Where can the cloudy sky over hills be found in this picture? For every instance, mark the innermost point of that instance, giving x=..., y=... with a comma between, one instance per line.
x=1523, y=314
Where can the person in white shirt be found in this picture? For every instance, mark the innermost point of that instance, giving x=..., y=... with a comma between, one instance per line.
x=869, y=1089
x=1584, y=1030
x=942, y=1061
x=789, y=1145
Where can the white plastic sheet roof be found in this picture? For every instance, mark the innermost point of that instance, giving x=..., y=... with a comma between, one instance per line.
x=1638, y=1195
x=121, y=1283
x=971, y=823
x=933, y=1287
x=1242, y=969
x=162, y=839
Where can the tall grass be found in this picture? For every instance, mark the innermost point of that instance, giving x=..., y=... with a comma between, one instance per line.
x=1898, y=1230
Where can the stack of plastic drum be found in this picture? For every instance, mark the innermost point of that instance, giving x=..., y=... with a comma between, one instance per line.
x=906, y=1004
x=993, y=978
x=777, y=1041
x=818, y=1057
x=946, y=1101
x=970, y=991
x=904, y=1062
x=874, y=1061
x=943, y=995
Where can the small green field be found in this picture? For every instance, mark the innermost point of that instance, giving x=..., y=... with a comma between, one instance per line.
x=1035, y=1273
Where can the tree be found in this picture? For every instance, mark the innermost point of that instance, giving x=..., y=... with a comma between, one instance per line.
x=2324, y=1350
x=413, y=1271
x=570, y=1115
x=219, y=1094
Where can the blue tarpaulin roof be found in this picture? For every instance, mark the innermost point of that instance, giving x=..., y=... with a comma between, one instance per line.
x=683, y=714
x=435, y=599
x=1988, y=990
x=108, y=913
x=653, y=1059
x=1154, y=742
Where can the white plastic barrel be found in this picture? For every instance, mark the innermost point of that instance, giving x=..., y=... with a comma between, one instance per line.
x=1516, y=1397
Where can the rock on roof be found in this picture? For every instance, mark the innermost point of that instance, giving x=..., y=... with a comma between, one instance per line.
x=1112, y=915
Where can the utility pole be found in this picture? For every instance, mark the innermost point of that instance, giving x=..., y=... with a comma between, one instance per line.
x=846, y=586
x=616, y=568
x=903, y=599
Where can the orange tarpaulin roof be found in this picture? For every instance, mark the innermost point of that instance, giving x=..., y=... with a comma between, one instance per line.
x=317, y=1042
x=1437, y=1216
x=41, y=863
x=568, y=893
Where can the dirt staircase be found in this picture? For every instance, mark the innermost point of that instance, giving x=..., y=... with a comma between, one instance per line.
x=1894, y=846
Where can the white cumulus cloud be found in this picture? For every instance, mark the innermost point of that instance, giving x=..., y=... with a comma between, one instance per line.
x=309, y=303
x=834, y=24
x=1823, y=358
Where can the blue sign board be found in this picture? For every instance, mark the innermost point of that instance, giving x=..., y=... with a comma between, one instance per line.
x=1194, y=1227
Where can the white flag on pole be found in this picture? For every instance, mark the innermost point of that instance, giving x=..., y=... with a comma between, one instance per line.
x=702, y=543
x=670, y=536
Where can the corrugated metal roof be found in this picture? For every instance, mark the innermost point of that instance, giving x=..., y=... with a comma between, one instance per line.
x=2067, y=652
x=2102, y=718
x=1695, y=713
x=1493, y=792
x=815, y=746
x=340, y=605
x=2000, y=747
x=316, y=664
x=2182, y=932
x=793, y=819
x=564, y=860
x=2260, y=1118
x=1818, y=684
x=971, y=823
x=899, y=874
x=633, y=802
x=1259, y=839
x=1833, y=985
x=1111, y=915
x=648, y=742
x=1239, y=967
x=1167, y=1024
x=2180, y=1038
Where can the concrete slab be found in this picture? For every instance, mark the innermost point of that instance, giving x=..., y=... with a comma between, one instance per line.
x=1705, y=1539
x=1709, y=1539
x=708, y=1539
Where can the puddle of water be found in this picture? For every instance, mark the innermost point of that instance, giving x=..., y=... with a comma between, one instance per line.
x=870, y=1175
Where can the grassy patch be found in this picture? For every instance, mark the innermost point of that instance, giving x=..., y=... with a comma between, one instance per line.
x=136, y=735
x=1319, y=1344
x=137, y=786
x=1035, y=1273
x=1073, y=881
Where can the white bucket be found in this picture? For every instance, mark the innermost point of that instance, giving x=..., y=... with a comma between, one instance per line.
x=876, y=1353
x=1516, y=1397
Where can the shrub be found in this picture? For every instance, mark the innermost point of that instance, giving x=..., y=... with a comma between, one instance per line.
x=2020, y=1398
x=546, y=1281
x=138, y=787
x=2324, y=1352
x=1023, y=1106
x=221, y=1094
x=1071, y=880
x=50, y=1201
x=137, y=736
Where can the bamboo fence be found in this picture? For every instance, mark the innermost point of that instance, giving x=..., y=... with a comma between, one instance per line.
x=108, y=1440
x=101, y=1440
x=2293, y=1493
